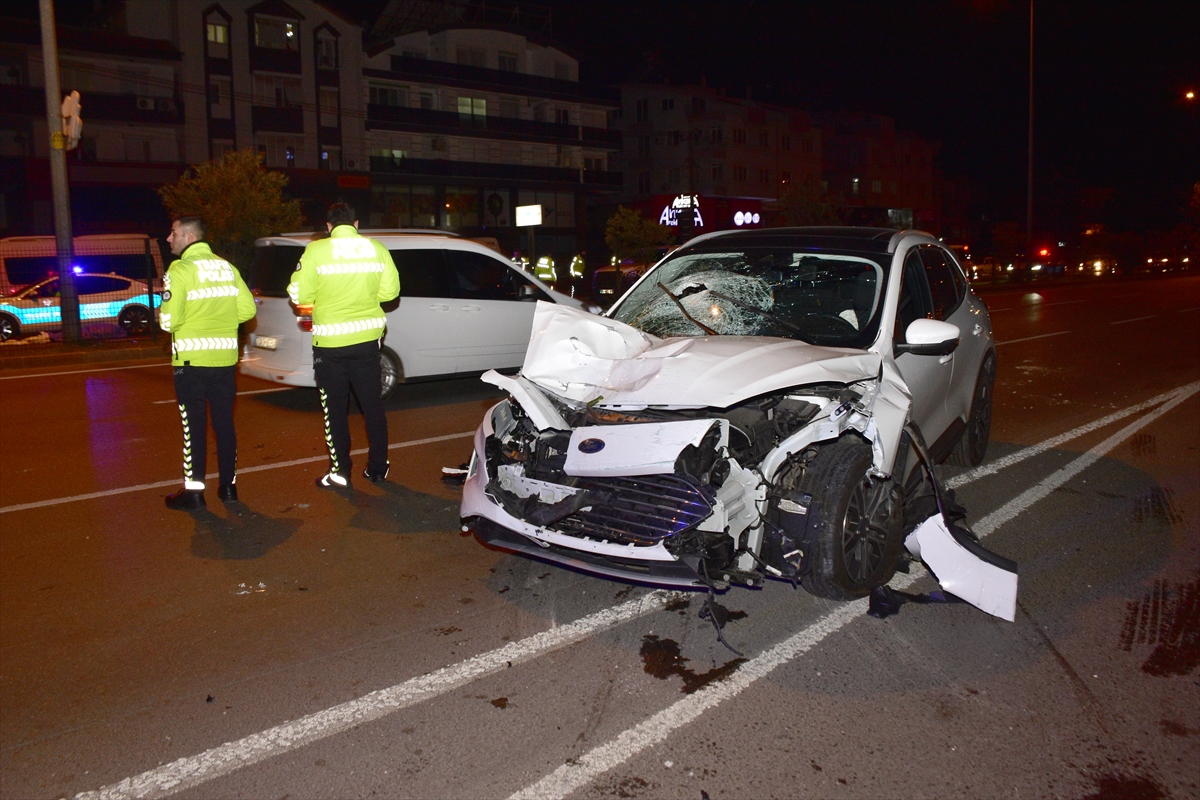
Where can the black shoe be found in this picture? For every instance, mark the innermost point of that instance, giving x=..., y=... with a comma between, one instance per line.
x=228, y=494
x=332, y=480
x=186, y=500
x=376, y=477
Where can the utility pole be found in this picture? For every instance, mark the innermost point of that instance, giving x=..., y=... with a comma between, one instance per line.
x=69, y=299
x=1029, y=175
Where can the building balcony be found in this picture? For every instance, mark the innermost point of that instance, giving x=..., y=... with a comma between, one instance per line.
x=96, y=105
x=277, y=120
x=399, y=118
x=439, y=168
x=423, y=70
x=268, y=60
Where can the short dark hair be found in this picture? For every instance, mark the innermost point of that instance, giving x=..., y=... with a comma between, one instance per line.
x=341, y=213
x=196, y=225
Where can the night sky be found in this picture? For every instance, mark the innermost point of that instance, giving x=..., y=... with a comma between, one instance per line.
x=1109, y=80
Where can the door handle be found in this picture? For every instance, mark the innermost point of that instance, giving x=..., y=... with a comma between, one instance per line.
x=470, y=308
x=436, y=307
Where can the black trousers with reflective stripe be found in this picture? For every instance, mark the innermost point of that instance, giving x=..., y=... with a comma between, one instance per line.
x=338, y=369
x=202, y=391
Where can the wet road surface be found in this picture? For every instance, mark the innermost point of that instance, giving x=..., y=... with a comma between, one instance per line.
x=311, y=644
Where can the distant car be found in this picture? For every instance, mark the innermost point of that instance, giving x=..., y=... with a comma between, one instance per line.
x=463, y=309
x=742, y=412
x=102, y=298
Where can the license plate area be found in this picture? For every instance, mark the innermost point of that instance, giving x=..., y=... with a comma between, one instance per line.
x=266, y=342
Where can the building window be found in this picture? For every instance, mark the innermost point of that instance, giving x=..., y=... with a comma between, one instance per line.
x=785, y=142
x=218, y=33
x=562, y=116
x=506, y=62
x=472, y=106
x=717, y=135
x=470, y=56
x=327, y=53
x=764, y=175
x=278, y=91
x=331, y=158
x=854, y=186
x=784, y=176
x=643, y=146
x=697, y=105
x=718, y=171
x=643, y=183
x=739, y=136
x=594, y=163
x=764, y=139
x=220, y=101
x=642, y=109
x=277, y=151
x=426, y=100
x=329, y=107
x=739, y=174
x=674, y=137
x=668, y=104
x=276, y=34
x=876, y=187
x=382, y=94
x=806, y=145
x=289, y=156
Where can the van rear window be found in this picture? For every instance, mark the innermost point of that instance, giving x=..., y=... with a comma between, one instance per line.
x=272, y=269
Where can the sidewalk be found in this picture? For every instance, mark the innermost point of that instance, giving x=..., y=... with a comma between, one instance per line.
x=16, y=355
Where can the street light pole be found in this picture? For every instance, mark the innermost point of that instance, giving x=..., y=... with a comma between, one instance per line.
x=69, y=299
x=1029, y=175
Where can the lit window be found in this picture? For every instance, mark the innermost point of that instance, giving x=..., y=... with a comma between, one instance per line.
x=217, y=33
x=472, y=106
x=275, y=34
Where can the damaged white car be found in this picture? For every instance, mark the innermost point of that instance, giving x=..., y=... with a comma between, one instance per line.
x=747, y=409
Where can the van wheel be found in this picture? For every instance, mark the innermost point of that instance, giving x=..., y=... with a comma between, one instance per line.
x=391, y=372
x=857, y=543
x=135, y=320
x=9, y=327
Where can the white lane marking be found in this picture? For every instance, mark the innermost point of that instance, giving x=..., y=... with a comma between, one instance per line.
x=252, y=391
x=1031, y=338
x=582, y=770
x=195, y=770
x=1135, y=319
x=1062, y=303
x=192, y=771
x=998, y=310
x=1185, y=310
x=80, y=371
x=992, y=467
x=241, y=471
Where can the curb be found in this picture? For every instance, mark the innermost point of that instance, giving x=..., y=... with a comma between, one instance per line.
x=60, y=354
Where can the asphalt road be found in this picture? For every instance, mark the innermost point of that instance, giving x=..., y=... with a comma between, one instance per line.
x=315, y=645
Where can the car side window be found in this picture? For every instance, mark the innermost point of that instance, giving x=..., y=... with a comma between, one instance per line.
x=422, y=273
x=98, y=284
x=915, y=302
x=475, y=276
x=942, y=287
x=48, y=290
x=957, y=273
x=538, y=293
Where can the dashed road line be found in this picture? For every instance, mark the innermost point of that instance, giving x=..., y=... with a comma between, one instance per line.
x=1031, y=338
x=251, y=391
x=141, y=487
x=1135, y=319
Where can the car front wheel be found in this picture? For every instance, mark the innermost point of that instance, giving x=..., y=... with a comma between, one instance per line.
x=857, y=542
x=972, y=447
x=9, y=327
x=391, y=372
x=135, y=320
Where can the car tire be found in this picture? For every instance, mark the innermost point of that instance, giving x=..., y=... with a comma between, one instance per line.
x=136, y=320
x=972, y=445
x=9, y=327
x=391, y=372
x=855, y=544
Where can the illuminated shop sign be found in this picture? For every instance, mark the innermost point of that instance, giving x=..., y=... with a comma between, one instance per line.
x=708, y=213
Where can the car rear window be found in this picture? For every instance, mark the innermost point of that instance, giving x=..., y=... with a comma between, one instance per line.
x=272, y=269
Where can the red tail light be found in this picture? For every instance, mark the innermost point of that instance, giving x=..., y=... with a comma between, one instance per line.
x=304, y=323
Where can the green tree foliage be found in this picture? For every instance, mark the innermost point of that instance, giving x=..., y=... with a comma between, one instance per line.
x=239, y=201
x=629, y=235
x=809, y=205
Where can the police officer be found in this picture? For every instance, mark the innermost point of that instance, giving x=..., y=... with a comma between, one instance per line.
x=204, y=301
x=343, y=279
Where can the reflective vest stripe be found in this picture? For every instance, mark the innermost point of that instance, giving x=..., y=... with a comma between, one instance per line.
x=212, y=291
x=349, y=269
x=208, y=343
x=340, y=328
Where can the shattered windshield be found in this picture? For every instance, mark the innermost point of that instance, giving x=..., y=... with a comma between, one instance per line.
x=822, y=298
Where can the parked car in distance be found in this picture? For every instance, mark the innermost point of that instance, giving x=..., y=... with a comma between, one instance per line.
x=463, y=309
x=741, y=413
x=102, y=298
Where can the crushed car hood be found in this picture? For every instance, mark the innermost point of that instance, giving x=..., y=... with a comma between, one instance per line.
x=590, y=359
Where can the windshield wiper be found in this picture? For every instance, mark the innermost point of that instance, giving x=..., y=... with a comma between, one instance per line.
x=683, y=311
x=742, y=304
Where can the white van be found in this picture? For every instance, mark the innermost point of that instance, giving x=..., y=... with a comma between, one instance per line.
x=26, y=260
x=463, y=309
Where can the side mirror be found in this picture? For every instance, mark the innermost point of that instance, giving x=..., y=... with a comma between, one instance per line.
x=527, y=291
x=929, y=337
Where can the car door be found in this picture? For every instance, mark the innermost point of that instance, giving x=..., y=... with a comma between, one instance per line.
x=948, y=287
x=422, y=328
x=491, y=302
x=100, y=297
x=928, y=377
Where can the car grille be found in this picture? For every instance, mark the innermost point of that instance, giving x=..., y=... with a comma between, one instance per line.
x=643, y=510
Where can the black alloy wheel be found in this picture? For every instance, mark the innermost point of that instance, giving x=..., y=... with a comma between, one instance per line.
x=972, y=446
x=9, y=328
x=391, y=372
x=136, y=320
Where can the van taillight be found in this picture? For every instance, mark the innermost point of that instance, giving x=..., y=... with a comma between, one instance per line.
x=304, y=323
